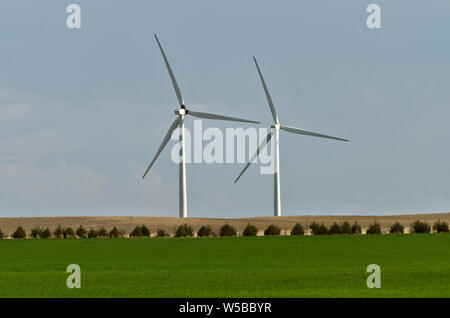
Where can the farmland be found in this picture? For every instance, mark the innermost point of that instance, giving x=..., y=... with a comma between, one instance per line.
x=412, y=265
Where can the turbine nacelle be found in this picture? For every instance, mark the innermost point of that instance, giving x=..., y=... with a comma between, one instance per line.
x=181, y=111
x=276, y=126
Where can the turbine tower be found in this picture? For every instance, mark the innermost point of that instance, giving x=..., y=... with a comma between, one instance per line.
x=275, y=131
x=179, y=122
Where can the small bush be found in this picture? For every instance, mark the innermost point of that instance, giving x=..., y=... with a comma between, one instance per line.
x=322, y=229
x=81, y=232
x=137, y=232
x=40, y=233
x=204, y=231
x=250, y=230
x=272, y=230
x=161, y=233
x=374, y=228
x=145, y=232
x=68, y=233
x=140, y=231
x=115, y=233
x=318, y=229
x=184, y=230
x=227, y=230
x=102, y=232
x=298, y=230
x=334, y=229
x=36, y=232
x=46, y=233
x=92, y=233
x=346, y=228
x=314, y=226
x=1, y=235
x=420, y=227
x=396, y=228
x=59, y=232
x=356, y=228
x=19, y=233
x=441, y=227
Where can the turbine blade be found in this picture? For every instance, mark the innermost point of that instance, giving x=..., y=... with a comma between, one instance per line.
x=172, y=77
x=258, y=150
x=219, y=117
x=164, y=143
x=309, y=133
x=269, y=99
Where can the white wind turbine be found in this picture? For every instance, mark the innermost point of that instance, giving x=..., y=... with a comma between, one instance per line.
x=179, y=122
x=276, y=131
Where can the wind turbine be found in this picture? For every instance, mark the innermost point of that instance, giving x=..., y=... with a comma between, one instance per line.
x=276, y=131
x=179, y=122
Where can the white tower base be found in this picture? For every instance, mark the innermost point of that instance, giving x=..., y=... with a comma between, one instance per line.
x=277, y=197
x=182, y=179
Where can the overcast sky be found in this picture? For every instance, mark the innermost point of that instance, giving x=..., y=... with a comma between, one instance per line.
x=82, y=112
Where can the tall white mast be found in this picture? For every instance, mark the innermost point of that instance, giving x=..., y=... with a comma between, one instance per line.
x=182, y=181
x=277, y=195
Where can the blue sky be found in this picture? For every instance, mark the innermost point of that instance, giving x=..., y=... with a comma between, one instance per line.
x=82, y=112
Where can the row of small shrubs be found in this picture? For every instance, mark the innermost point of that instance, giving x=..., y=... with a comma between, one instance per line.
x=344, y=228
x=375, y=228
x=68, y=232
x=186, y=230
x=143, y=231
x=421, y=227
x=272, y=230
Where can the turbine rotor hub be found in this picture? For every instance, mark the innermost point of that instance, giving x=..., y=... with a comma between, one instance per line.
x=181, y=111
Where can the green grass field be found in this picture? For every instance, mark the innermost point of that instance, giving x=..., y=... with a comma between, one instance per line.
x=310, y=266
